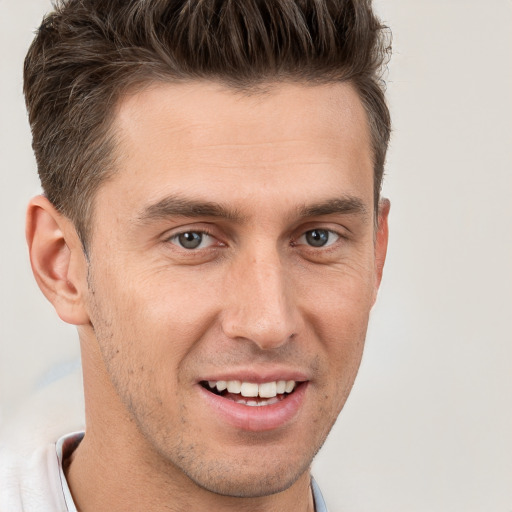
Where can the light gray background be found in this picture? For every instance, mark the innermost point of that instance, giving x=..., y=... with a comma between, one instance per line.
x=428, y=426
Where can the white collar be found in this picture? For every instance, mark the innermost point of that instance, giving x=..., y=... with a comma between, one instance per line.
x=65, y=446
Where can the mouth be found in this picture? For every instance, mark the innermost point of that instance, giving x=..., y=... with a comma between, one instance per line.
x=252, y=394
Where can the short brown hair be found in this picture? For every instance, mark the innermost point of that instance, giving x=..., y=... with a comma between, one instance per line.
x=88, y=53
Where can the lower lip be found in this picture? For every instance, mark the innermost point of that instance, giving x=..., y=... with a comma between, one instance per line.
x=256, y=418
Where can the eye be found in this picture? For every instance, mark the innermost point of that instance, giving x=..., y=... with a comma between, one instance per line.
x=192, y=240
x=319, y=238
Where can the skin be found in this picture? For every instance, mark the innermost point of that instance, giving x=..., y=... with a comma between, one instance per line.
x=256, y=297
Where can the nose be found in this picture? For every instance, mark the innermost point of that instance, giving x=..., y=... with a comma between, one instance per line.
x=260, y=306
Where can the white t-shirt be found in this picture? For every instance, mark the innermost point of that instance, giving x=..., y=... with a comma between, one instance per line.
x=33, y=483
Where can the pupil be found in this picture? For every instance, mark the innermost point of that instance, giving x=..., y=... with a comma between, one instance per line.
x=190, y=240
x=317, y=237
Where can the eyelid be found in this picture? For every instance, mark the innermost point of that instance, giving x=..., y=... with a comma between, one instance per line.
x=171, y=236
x=329, y=244
x=174, y=239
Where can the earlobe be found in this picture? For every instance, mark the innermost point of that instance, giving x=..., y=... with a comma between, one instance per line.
x=381, y=242
x=57, y=260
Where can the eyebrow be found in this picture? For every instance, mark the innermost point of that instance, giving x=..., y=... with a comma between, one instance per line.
x=348, y=205
x=175, y=206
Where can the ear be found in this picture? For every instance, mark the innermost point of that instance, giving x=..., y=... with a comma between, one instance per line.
x=381, y=242
x=58, y=261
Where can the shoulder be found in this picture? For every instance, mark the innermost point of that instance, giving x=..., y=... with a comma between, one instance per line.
x=29, y=466
x=30, y=482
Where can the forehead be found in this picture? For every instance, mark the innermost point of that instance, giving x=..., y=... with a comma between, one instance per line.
x=203, y=137
x=216, y=114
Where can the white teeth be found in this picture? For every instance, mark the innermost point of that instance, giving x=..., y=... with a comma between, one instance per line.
x=268, y=390
x=221, y=385
x=252, y=389
x=280, y=387
x=234, y=386
x=249, y=389
x=290, y=385
x=256, y=403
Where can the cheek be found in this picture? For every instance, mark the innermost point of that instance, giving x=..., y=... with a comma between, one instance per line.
x=156, y=319
x=338, y=312
x=338, y=301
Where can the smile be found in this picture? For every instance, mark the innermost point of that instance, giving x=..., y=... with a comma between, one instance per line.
x=251, y=393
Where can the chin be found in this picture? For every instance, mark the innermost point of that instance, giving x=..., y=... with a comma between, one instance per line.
x=250, y=472
x=254, y=484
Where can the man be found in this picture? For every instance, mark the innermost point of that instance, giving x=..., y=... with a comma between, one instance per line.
x=212, y=224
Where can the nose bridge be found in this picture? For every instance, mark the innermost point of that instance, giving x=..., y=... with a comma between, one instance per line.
x=260, y=300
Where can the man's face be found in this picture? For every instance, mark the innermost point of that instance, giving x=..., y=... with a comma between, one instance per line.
x=234, y=247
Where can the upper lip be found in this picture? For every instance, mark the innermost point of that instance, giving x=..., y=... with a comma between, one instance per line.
x=257, y=376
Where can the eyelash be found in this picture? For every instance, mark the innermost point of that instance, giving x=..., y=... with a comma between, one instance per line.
x=174, y=239
x=203, y=232
x=329, y=243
